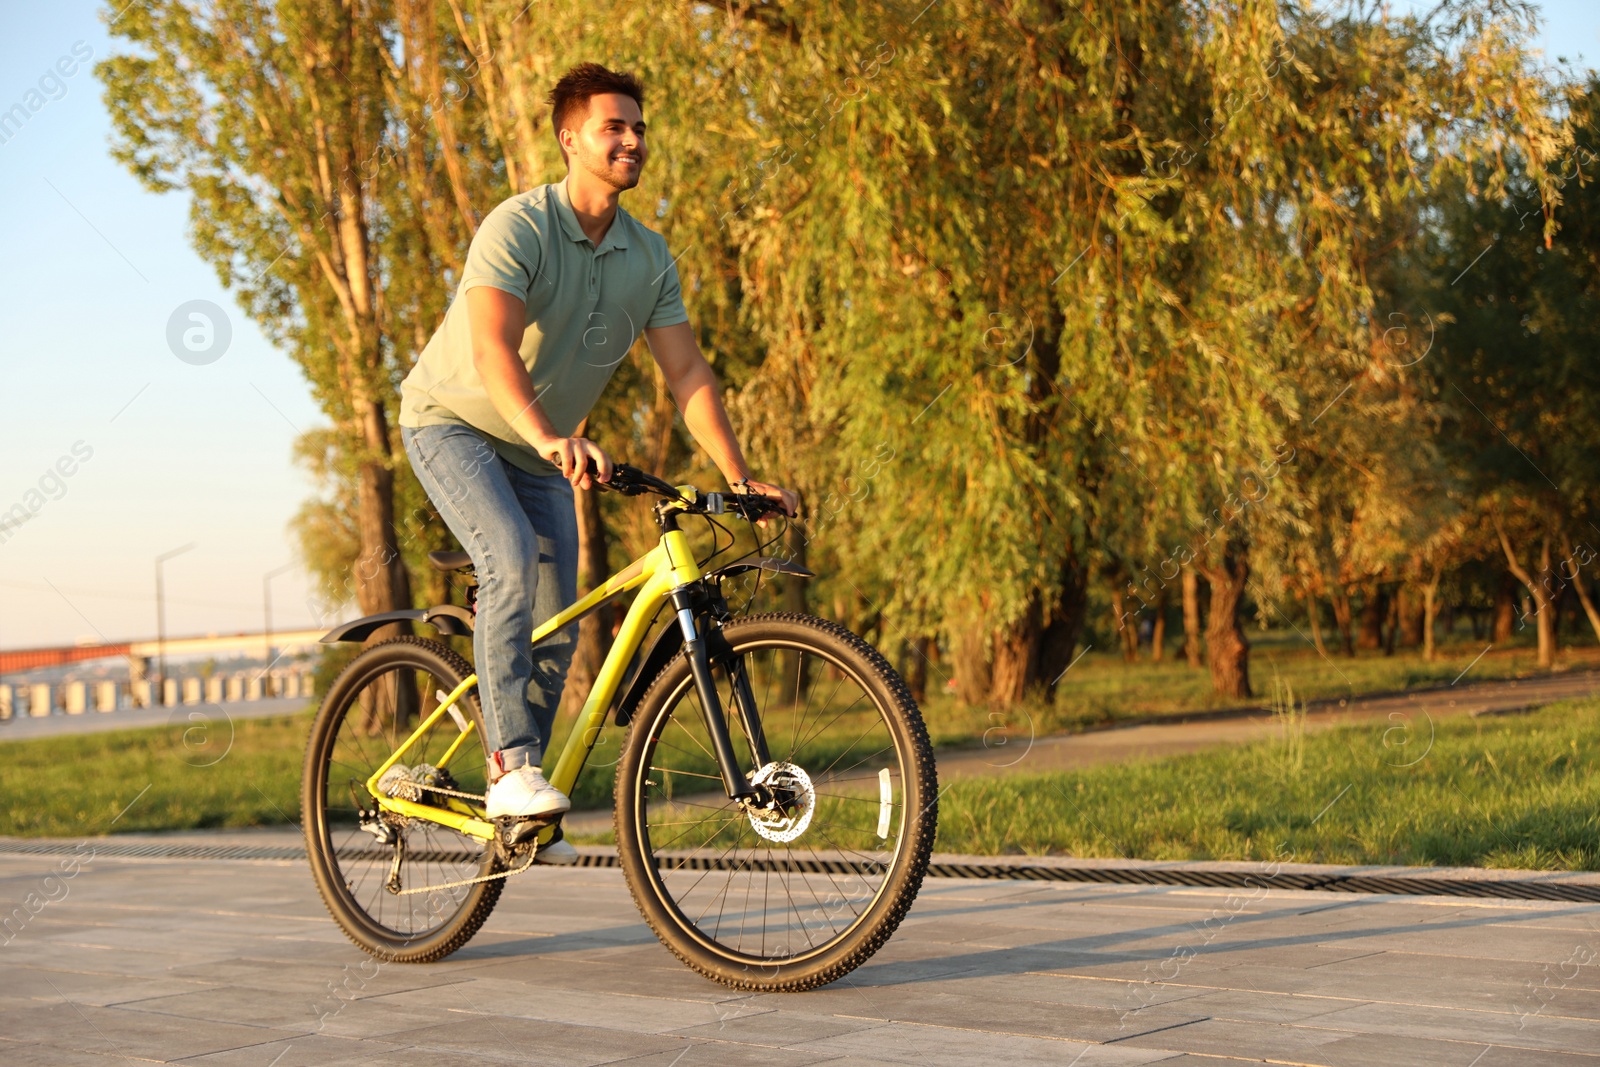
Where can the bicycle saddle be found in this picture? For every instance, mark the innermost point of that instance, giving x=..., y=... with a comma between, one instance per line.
x=450, y=561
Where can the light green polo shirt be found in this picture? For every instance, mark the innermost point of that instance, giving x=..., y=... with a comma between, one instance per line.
x=585, y=308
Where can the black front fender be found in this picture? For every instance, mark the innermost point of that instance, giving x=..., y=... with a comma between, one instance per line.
x=666, y=645
x=764, y=563
x=448, y=619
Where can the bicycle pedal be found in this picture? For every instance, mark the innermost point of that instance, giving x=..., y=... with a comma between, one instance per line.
x=515, y=831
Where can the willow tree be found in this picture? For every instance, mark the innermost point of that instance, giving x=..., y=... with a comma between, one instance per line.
x=1517, y=374
x=275, y=118
x=1323, y=139
x=1042, y=279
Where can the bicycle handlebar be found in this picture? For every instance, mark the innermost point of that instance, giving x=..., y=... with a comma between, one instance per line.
x=631, y=481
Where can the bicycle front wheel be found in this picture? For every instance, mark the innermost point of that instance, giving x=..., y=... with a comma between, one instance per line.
x=801, y=894
x=403, y=889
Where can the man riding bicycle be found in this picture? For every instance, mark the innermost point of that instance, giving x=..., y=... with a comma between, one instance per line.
x=553, y=278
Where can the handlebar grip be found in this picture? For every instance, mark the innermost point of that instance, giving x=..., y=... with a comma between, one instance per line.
x=753, y=505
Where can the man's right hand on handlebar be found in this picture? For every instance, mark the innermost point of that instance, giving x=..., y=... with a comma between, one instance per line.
x=575, y=457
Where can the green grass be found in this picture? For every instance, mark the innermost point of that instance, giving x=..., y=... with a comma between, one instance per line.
x=1509, y=792
x=1101, y=689
x=1512, y=792
x=221, y=775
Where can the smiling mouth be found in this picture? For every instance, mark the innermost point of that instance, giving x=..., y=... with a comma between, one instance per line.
x=627, y=159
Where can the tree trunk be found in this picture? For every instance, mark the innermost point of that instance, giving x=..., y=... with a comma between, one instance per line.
x=1192, y=649
x=1227, y=650
x=594, y=629
x=1120, y=617
x=1340, y=599
x=1060, y=638
x=382, y=582
x=1412, y=611
x=914, y=667
x=1505, y=608
x=1016, y=658
x=1391, y=632
x=1430, y=610
x=1158, y=628
x=1374, y=608
x=969, y=660
x=1314, y=613
x=1580, y=585
x=1541, y=586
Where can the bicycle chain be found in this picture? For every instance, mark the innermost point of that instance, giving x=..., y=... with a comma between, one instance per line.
x=419, y=788
x=470, y=881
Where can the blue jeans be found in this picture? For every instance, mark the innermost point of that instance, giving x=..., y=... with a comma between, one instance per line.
x=521, y=531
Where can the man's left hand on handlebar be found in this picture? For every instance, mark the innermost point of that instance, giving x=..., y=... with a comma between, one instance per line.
x=787, y=497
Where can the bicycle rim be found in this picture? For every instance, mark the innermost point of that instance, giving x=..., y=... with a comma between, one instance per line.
x=399, y=889
x=791, y=886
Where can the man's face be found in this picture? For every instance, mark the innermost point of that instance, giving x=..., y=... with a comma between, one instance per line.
x=610, y=143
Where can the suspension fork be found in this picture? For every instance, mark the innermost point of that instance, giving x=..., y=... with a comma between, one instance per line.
x=697, y=646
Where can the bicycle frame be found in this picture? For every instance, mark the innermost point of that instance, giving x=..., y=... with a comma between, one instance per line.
x=661, y=575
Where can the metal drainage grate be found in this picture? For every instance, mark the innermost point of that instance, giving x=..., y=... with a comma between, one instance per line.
x=1406, y=885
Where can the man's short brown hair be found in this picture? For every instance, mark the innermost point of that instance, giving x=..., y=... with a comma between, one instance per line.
x=569, y=100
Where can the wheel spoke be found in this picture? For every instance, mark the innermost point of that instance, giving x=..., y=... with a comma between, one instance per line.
x=375, y=708
x=713, y=852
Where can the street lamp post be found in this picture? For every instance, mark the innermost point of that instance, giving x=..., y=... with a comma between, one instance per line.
x=266, y=612
x=161, y=624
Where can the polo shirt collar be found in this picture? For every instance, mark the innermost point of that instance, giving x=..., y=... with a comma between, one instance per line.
x=614, y=237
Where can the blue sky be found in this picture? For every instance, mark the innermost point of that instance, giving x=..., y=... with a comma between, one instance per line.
x=176, y=452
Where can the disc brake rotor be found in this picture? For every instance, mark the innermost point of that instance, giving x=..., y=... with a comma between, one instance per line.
x=794, y=801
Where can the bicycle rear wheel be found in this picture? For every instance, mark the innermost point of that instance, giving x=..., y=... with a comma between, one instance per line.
x=392, y=883
x=796, y=897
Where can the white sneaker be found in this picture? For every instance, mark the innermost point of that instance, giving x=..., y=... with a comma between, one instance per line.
x=524, y=794
x=557, y=854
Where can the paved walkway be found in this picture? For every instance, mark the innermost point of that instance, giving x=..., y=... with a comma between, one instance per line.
x=188, y=716
x=235, y=962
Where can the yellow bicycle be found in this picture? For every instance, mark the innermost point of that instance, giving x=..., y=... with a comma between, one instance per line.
x=777, y=854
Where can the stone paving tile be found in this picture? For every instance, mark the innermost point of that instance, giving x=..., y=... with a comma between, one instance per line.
x=1541, y=1032
x=27, y=1054
x=702, y=1053
x=669, y=979
x=245, y=1005
x=969, y=962
x=1509, y=992
x=1241, y=1005
x=311, y=1050
x=997, y=1014
x=1061, y=989
x=86, y=1028
x=373, y=1020
x=1429, y=964
x=361, y=976
x=551, y=1001
x=946, y=1047
x=1366, y=1049
x=773, y=1027
x=51, y=984
x=412, y=1056
x=1500, y=1056
x=1276, y=1042
x=549, y=1043
x=1468, y=941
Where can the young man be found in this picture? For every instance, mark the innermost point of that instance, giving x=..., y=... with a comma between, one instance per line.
x=558, y=283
